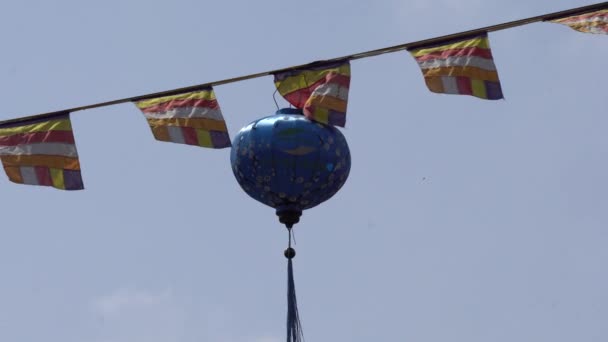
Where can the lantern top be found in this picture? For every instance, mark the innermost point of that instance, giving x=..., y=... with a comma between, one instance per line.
x=290, y=111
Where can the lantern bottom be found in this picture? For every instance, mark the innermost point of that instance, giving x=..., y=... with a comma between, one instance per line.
x=289, y=216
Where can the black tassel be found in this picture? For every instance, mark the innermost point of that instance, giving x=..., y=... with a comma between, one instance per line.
x=294, y=328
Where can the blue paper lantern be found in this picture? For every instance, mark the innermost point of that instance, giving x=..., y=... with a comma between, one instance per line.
x=289, y=162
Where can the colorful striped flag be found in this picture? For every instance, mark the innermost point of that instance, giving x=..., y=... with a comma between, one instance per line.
x=191, y=118
x=592, y=22
x=320, y=91
x=463, y=67
x=41, y=152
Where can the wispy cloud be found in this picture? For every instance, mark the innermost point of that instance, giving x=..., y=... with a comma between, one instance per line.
x=129, y=315
x=419, y=19
x=448, y=5
x=124, y=300
x=133, y=315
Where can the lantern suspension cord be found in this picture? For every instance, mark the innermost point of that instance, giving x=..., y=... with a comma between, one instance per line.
x=275, y=99
x=365, y=54
x=294, y=327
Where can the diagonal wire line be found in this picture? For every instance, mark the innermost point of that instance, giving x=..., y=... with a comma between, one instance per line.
x=360, y=55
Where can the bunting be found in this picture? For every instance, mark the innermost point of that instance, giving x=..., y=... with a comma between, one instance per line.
x=320, y=91
x=191, y=118
x=41, y=152
x=463, y=67
x=592, y=22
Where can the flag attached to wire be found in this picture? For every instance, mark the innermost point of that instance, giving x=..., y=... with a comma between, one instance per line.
x=191, y=118
x=41, y=152
x=463, y=67
x=591, y=22
x=321, y=91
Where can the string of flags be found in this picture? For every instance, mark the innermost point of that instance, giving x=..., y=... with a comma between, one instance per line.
x=192, y=118
x=321, y=92
x=463, y=67
x=40, y=150
x=593, y=22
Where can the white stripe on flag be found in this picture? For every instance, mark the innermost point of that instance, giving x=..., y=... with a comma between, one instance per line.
x=176, y=135
x=461, y=61
x=28, y=174
x=333, y=90
x=49, y=149
x=187, y=112
x=450, y=85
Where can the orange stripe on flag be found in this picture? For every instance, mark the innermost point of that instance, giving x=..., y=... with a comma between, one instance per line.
x=327, y=102
x=471, y=72
x=42, y=160
x=14, y=173
x=160, y=133
x=434, y=84
x=208, y=124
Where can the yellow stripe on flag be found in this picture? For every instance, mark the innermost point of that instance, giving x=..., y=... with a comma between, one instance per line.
x=321, y=115
x=306, y=78
x=57, y=178
x=53, y=125
x=479, y=88
x=199, y=95
x=480, y=42
x=204, y=138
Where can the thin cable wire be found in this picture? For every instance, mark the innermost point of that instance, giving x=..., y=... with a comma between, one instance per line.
x=275, y=99
x=360, y=55
x=292, y=236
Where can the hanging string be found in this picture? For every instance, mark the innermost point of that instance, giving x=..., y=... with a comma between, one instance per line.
x=292, y=236
x=275, y=99
x=365, y=54
x=294, y=327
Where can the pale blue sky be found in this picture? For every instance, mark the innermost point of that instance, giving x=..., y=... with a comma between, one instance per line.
x=462, y=219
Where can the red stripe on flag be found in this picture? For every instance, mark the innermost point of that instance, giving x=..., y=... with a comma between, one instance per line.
x=44, y=175
x=37, y=137
x=341, y=80
x=166, y=106
x=190, y=136
x=464, y=85
x=298, y=97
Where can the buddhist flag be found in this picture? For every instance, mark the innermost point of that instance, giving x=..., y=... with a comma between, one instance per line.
x=463, y=67
x=191, y=118
x=320, y=91
x=592, y=22
x=41, y=152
